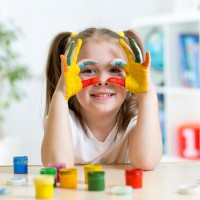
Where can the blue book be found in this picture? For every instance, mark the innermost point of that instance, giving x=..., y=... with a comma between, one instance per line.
x=189, y=59
x=161, y=100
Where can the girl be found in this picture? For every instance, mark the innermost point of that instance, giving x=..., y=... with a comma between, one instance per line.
x=101, y=105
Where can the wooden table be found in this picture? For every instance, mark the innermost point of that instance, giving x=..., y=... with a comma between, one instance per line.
x=160, y=184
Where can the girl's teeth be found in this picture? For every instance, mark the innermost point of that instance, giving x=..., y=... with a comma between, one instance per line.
x=103, y=95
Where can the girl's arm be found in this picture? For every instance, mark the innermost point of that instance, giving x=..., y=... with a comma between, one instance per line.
x=145, y=138
x=57, y=145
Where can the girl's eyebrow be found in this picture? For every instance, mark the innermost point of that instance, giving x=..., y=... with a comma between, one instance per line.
x=118, y=62
x=85, y=62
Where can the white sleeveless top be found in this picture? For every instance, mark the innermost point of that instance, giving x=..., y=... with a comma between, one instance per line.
x=88, y=149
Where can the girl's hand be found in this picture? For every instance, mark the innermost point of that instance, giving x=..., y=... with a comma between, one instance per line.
x=137, y=74
x=73, y=82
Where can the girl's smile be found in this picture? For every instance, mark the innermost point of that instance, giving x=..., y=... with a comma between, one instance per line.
x=102, y=95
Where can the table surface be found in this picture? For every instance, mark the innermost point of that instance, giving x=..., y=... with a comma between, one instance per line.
x=160, y=184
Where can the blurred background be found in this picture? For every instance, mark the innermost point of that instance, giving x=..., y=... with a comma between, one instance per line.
x=26, y=30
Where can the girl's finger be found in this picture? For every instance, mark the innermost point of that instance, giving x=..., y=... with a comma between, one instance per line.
x=72, y=45
x=63, y=64
x=126, y=49
x=78, y=47
x=147, y=61
x=136, y=50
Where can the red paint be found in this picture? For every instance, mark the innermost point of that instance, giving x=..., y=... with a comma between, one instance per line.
x=90, y=81
x=117, y=81
x=134, y=177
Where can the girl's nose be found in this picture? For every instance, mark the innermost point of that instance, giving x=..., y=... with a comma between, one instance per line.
x=103, y=80
x=101, y=83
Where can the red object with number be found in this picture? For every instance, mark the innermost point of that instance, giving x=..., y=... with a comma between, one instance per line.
x=134, y=177
x=189, y=141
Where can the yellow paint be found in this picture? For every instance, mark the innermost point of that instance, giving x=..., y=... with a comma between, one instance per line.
x=68, y=178
x=92, y=167
x=120, y=33
x=73, y=82
x=136, y=80
x=44, y=186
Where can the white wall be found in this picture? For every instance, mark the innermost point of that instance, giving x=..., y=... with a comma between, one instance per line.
x=40, y=20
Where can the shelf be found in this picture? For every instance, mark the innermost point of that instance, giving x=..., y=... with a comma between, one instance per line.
x=178, y=104
x=178, y=91
x=166, y=158
x=167, y=19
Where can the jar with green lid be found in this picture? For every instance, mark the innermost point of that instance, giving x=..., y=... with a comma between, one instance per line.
x=96, y=181
x=49, y=171
x=68, y=178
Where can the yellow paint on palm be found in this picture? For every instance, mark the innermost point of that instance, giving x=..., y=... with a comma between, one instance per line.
x=72, y=81
x=136, y=79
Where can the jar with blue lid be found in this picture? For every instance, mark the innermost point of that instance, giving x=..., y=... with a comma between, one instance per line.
x=20, y=164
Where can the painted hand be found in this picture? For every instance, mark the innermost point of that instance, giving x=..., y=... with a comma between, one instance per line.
x=136, y=80
x=73, y=82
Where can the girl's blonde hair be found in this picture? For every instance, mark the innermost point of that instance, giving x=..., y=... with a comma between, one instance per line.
x=60, y=44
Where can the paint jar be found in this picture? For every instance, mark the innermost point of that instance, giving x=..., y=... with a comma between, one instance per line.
x=96, y=181
x=44, y=186
x=134, y=177
x=49, y=171
x=58, y=166
x=68, y=178
x=89, y=168
x=20, y=164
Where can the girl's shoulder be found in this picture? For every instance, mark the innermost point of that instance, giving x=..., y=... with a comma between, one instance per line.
x=131, y=124
x=74, y=120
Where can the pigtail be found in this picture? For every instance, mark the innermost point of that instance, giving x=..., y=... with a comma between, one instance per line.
x=53, y=66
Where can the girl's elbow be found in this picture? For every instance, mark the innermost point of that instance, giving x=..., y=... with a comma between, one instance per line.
x=145, y=164
x=44, y=161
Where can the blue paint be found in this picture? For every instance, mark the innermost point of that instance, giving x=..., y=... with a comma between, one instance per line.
x=83, y=64
x=4, y=191
x=20, y=164
x=118, y=62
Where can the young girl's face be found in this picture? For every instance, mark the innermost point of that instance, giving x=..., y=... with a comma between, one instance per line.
x=102, y=97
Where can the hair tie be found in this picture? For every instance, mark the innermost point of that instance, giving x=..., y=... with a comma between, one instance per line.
x=120, y=33
x=73, y=34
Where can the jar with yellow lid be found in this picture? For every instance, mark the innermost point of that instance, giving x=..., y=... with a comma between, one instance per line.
x=89, y=168
x=68, y=178
x=44, y=186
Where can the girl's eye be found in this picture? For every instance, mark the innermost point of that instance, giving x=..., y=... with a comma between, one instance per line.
x=115, y=70
x=88, y=71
